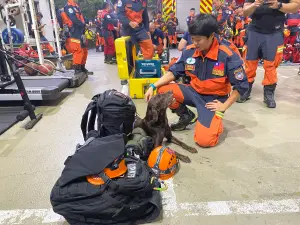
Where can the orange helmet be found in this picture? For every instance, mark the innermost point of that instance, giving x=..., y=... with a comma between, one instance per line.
x=286, y=32
x=163, y=162
x=117, y=169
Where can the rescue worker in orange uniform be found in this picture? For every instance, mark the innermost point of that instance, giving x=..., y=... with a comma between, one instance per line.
x=292, y=23
x=172, y=24
x=99, y=35
x=77, y=43
x=191, y=17
x=222, y=14
x=265, y=40
x=108, y=32
x=159, y=22
x=158, y=39
x=217, y=80
x=133, y=15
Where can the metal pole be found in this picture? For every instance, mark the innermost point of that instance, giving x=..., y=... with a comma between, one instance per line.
x=24, y=17
x=36, y=33
x=8, y=28
x=52, y=6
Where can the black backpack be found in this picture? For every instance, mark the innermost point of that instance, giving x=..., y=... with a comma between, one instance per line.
x=113, y=111
x=126, y=200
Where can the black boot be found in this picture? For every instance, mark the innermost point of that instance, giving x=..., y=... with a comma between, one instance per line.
x=113, y=60
x=97, y=49
x=105, y=58
x=86, y=71
x=246, y=96
x=77, y=68
x=269, y=95
x=186, y=117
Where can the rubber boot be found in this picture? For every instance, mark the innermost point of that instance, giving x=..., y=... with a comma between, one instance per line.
x=105, y=58
x=86, y=71
x=77, y=69
x=97, y=48
x=186, y=117
x=269, y=95
x=113, y=60
x=246, y=96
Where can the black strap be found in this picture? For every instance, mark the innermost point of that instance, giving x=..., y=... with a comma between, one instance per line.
x=92, y=119
x=85, y=116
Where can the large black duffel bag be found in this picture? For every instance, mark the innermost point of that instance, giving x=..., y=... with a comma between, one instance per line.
x=129, y=199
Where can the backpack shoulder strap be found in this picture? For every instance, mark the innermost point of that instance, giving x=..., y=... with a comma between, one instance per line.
x=84, y=121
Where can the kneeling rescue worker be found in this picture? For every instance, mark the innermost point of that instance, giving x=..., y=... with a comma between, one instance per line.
x=77, y=43
x=265, y=40
x=134, y=18
x=213, y=69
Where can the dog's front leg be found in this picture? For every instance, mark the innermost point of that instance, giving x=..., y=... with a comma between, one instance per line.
x=176, y=141
x=168, y=133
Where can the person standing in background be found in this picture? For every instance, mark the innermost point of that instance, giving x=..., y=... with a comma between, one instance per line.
x=172, y=24
x=134, y=18
x=265, y=40
x=191, y=16
x=77, y=44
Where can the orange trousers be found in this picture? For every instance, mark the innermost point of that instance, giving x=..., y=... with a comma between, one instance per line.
x=172, y=39
x=99, y=40
x=79, y=54
x=268, y=47
x=209, y=125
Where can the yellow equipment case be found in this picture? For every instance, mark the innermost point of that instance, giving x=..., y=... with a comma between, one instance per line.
x=126, y=57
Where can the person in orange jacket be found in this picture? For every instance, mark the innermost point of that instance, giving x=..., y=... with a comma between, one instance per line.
x=134, y=18
x=217, y=79
x=76, y=43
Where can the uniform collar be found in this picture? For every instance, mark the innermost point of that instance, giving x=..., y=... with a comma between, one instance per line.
x=212, y=53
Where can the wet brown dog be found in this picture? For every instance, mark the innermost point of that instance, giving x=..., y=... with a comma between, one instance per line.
x=155, y=123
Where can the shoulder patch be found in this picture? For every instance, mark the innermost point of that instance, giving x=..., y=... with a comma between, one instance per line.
x=239, y=74
x=70, y=10
x=120, y=3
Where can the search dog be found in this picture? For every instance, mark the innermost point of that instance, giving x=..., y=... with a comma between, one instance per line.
x=155, y=124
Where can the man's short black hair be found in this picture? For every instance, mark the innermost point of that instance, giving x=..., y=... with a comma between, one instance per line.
x=192, y=9
x=203, y=25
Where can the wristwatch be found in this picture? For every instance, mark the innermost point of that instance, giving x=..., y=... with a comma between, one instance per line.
x=279, y=5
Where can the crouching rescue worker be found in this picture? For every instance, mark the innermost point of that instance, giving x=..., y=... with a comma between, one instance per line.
x=158, y=39
x=213, y=69
x=133, y=16
x=265, y=39
x=77, y=43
